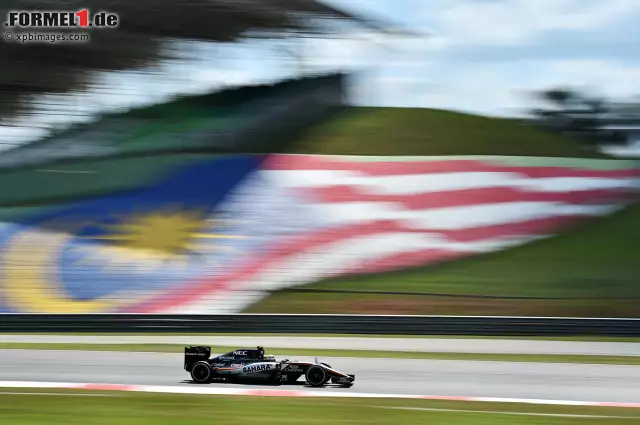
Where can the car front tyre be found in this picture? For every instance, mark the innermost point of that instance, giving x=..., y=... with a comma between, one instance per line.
x=328, y=378
x=201, y=372
x=316, y=376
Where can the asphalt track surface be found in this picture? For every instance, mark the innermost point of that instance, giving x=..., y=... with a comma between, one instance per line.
x=579, y=382
x=432, y=345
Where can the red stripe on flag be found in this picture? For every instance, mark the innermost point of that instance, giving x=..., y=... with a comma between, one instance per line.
x=431, y=256
x=404, y=260
x=392, y=168
x=305, y=243
x=465, y=197
x=517, y=229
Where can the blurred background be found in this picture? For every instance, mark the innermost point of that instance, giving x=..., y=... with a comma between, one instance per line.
x=298, y=156
x=402, y=159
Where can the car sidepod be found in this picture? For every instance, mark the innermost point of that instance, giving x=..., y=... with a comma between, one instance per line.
x=261, y=371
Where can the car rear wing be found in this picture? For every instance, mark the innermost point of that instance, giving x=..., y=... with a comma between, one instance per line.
x=195, y=354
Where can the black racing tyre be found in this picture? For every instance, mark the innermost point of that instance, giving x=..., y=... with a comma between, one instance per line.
x=316, y=376
x=328, y=378
x=201, y=372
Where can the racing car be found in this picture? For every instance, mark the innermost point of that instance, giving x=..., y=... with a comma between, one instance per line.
x=252, y=365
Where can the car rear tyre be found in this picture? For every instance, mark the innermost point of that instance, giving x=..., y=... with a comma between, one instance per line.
x=201, y=372
x=316, y=376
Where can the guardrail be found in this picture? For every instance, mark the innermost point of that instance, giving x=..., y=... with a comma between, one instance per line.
x=310, y=324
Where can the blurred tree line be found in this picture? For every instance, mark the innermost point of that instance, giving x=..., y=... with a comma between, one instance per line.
x=146, y=36
x=594, y=119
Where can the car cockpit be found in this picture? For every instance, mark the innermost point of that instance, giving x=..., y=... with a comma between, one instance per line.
x=247, y=354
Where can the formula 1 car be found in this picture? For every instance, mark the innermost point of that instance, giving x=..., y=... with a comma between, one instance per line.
x=252, y=365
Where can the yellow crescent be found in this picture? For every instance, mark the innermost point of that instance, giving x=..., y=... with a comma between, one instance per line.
x=31, y=276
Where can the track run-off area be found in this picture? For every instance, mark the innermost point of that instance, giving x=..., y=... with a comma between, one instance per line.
x=528, y=382
x=431, y=345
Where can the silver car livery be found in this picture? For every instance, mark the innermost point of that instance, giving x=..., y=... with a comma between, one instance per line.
x=253, y=365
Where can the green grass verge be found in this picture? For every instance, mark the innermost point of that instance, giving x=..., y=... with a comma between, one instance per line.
x=179, y=349
x=63, y=407
x=413, y=131
x=596, y=260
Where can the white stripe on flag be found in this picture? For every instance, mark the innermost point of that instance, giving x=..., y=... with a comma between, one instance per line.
x=451, y=218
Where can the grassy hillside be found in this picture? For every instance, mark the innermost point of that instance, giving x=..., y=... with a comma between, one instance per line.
x=359, y=131
x=399, y=131
x=597, y=261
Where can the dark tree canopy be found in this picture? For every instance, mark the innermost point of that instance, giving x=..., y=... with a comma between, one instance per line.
x=146, y=28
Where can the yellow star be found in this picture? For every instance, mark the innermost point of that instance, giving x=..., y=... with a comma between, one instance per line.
x=156, y=237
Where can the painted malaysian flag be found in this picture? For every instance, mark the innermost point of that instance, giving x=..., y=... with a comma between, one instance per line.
x=313, y=217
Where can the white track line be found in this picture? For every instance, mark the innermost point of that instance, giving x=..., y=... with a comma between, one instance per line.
x=494, y=412
x=207, y=390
